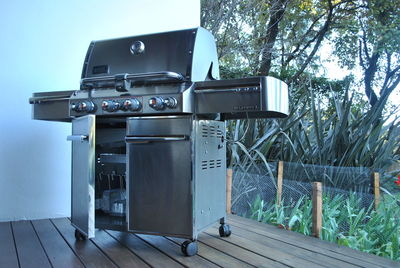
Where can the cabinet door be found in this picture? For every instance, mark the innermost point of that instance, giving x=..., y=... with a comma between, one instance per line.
x=83, y=174
x=160, y=176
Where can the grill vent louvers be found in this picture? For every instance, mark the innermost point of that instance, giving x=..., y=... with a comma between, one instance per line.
x=210, y=164
x=210, y=131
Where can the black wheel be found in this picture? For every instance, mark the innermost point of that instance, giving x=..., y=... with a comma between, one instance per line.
x=79, y=236
x=224, y=230
x=189, y=248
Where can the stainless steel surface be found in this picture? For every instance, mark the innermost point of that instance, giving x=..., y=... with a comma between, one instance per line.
x=255, y=97
x=40, y=97
x=39, y=100
x=80, y=138
x=52, y=106
x=209, y=173
x=169, y=51
x=173, y=75
x=83, y=172
x=160, y=177
x=112, y=158
x=131, y=139
x=110, y=81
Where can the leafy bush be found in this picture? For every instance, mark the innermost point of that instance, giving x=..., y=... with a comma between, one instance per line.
x=340, y=135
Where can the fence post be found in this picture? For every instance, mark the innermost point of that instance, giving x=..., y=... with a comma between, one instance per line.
x=376, y=189
x=279, y=183
x=229, y=191
x=316, y=209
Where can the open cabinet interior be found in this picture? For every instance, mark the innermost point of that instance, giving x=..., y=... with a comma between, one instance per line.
x=110, y=178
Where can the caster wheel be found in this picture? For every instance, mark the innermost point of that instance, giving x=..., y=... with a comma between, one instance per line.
x=224, y=230
x=79, y=236
x=189, y=248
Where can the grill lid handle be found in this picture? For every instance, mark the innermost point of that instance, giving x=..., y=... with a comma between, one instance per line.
x=120, y=81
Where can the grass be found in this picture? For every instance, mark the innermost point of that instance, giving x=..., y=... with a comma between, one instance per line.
x=345, y=221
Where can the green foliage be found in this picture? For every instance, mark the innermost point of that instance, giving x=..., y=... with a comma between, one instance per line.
x=344, y=222
x=341, y=135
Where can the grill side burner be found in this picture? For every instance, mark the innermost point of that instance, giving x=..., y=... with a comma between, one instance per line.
x=148, y=133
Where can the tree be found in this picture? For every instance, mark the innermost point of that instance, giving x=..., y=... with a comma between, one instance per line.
x=282, y=38
x=374, y=33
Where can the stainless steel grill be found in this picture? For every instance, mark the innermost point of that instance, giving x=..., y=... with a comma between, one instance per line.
x=148, y=133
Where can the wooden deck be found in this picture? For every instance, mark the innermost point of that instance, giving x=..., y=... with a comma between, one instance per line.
x=51, y=243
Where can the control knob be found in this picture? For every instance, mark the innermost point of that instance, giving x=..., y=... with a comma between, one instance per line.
x=132, y=105
x=170, y=102
x=157, y=103
x=110, y=105
x=75, y=107
x=83, y=106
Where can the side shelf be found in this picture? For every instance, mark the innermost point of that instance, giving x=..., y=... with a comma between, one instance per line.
x=52, y=106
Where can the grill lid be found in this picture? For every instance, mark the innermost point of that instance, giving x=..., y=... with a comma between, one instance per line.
x=185, y=55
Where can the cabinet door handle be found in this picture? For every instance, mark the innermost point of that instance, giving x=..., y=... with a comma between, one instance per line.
x=133, y=139
x=80, y=138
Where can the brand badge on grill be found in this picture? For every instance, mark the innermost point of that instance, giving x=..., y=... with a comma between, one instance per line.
x=137, y=48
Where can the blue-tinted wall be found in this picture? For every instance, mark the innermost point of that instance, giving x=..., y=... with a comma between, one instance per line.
x=42, y=47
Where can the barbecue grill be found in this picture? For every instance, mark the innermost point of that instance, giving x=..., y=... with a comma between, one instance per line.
x=148, y=133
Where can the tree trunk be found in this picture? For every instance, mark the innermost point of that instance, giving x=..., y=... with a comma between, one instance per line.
x=278, y=8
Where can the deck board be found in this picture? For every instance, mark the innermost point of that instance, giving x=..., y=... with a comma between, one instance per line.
x=313, y=256
x=220, y=258
x=8, y=253
x=174, y=251
x=29, y=248
x=148, y=253
x=313, y=245
x=122, y=256
x=51, y=243
x=85, y=250
x=272, y=253
x=238, y=252
x=356, y=257
x=58, y=252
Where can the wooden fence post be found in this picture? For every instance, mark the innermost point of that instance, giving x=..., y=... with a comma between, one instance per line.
x=229, y=191
x=316, y=209
x=279, y=183
x=376, y=189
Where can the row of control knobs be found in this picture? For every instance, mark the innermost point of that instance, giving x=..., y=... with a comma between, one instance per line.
x=157, y=103
x=125, y=105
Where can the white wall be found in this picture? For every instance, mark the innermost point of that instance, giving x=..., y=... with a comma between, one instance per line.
x=42, y=47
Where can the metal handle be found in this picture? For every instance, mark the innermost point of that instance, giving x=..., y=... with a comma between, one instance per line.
x=38, y=100
x=80, y=138
x=156, y=76
x=134, y=139
x=152, y=76
x=254, y=89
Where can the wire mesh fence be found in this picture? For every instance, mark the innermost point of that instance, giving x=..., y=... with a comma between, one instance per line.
x=261, y=181
x=348, y=214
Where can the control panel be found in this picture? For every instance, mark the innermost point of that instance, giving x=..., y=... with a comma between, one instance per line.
x=124, y=106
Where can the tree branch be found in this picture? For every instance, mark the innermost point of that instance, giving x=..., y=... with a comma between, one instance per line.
x=321, y=35
x=292, y=54
x=278, y=8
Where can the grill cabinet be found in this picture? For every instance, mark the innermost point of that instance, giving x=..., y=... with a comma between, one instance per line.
x=148, y=133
